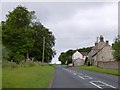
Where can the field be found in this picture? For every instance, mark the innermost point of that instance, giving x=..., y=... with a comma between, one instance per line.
x=101, y=70
x=33, y=76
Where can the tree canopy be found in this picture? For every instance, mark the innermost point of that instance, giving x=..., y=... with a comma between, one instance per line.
x=23, y=34
x=116, y=48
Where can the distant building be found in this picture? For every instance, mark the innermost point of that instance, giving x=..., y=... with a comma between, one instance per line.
x=102, y=51
x=77, y=59
x=84, y=55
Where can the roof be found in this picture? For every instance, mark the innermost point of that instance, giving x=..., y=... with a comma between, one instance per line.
x=77, y=55
x=97, y=48
x=84, y=53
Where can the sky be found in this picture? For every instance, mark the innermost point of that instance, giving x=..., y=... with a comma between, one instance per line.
x=74, y=24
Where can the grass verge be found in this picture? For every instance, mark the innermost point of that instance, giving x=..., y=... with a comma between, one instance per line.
x=37, y=76
x=101, y=70
x=0, y=77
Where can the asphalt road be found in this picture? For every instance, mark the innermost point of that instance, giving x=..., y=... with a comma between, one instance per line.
x=67, y=77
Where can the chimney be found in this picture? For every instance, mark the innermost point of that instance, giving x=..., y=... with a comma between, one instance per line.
x=101, y=38
x=96, y=41
x=107, y=42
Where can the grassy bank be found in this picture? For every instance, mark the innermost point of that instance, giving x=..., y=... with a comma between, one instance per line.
x=35, y=76
x=101, y=70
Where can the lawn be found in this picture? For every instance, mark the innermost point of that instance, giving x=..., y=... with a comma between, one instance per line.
x=101, y=70
x=38, y=76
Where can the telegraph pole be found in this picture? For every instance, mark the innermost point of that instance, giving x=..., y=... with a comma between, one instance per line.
x=43, y=49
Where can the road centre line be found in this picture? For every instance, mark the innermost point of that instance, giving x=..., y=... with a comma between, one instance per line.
x=84, y=77
x=88, y=77
x=80, y=74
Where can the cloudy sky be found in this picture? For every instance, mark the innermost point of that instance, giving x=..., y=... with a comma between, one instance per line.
x=75, y=25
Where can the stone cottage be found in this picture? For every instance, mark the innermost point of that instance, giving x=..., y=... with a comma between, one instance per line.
x=101, y=52
x=84, y=54
x=77, y=59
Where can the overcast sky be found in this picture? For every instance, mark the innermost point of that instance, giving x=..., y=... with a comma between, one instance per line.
x=75, y=25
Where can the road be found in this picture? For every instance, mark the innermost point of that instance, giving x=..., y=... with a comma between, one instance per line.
x=68, y=77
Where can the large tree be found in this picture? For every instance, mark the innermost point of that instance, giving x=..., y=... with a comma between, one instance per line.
x=17, y=33
x=116, y=47
x=23, y=36
x=40, y=33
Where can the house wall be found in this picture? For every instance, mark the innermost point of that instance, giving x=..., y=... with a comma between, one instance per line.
x=105, y=54
x=78, y=62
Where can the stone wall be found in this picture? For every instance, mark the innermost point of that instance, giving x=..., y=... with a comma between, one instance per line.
x=110, y=65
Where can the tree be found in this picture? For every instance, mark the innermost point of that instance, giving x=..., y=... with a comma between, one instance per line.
x=62, y=58
x=40, y=33
x=23, y=36
x=116, y=48
x=69, y=54
x=66, y=57
x=17, y=33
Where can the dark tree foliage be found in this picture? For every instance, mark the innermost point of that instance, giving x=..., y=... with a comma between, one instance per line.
x=23, y=36
x=88, y=49
x=116, y=48
x=66, y=57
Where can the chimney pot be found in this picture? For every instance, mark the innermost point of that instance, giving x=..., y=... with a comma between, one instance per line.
x=107, y=42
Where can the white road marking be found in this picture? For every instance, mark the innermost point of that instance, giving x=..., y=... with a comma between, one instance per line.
x=84, y=76
x=104, y=84
x=88, y=77
x=107, y=84
x=80, y=77
x=92, y=82
x=74, y=73
x=95, y=85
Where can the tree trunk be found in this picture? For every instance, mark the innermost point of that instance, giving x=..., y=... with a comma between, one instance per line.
x=27, y=56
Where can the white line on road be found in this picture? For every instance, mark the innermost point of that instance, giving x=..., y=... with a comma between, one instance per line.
x=107, y=84
x=104, y=84
x=74, y=73
x=80, y=77
x=84, y=77
x=88, y=77
x=96, y=85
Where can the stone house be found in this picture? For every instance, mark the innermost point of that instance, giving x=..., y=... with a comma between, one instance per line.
x=84, y=54
x=101, y=52
x=78, y=58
